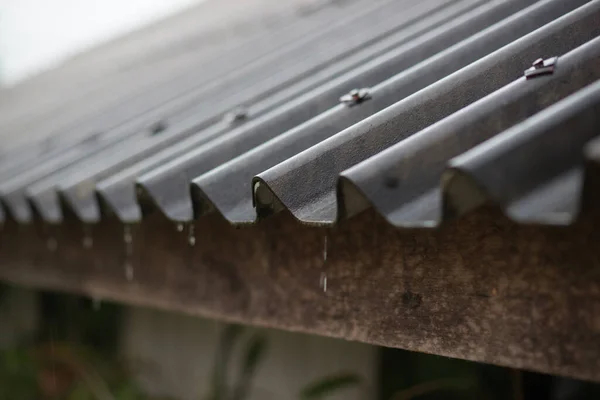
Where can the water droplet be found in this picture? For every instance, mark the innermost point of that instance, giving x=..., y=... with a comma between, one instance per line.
x=52, y=244
x=127, y=234
x=180, y=227
x=128, y=239
x=391, y=182
x=87, y=241
x=96, y=303
x=323, y=281
x=191, y=235
x=128, y=271
x=323, y=278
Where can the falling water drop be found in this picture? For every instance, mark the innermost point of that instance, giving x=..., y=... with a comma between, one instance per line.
x=128, y=271
x=88, y=241
x=323, y=281
x=127, y=234
x=191, y=235
x=180, y=227
x=323, y=277
x=96, y=303
x=52, y=244
x=128, y=239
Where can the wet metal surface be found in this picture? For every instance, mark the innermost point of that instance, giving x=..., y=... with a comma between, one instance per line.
x=421, y=110
x=315, y=202
x=405, y=184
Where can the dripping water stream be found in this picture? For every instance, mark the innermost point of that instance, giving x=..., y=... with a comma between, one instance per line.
x=128, y=240
x=323, y=277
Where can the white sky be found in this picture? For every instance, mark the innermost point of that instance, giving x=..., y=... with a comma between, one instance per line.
x=39, y=34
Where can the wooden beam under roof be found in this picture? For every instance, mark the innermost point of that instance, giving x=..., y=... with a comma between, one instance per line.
x=482, y=288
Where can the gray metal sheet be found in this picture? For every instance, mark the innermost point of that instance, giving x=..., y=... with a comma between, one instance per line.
x=534, y=171
x=450, y=123
x=236, y=70
x=168, y=185
x=173, y=195
x=118, y=193
x=403, y=182
x=228, y=188
x=96, y=114
x=258, y=81
x=114, y=114
x=306, y=184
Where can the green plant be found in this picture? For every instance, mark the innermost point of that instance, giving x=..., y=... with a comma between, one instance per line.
x=17, y=374
x=329, y=385
x=71, y=357
x=253, y=353
x=61, y=371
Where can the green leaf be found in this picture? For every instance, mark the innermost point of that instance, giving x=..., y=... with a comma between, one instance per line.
x=128, y=391
x=329, y=385
x=255, y=352
x=80, y=392
x=17, y=374
x=229, y=337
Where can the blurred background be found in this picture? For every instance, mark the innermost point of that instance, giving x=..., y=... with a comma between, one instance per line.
x=36, y=35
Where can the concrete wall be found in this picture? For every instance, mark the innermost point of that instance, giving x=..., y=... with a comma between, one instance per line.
x=174, y=354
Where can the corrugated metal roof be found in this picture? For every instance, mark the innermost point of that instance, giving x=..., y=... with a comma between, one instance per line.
x=395, y=180
x=449, y=121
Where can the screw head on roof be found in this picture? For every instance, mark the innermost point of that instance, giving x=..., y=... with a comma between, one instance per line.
x=356, y=96
x=49, y=143
x=157, y=127
x=538, y=63
x=541, y=67
x=92, y=138
x=391, y=182
x=237, y=115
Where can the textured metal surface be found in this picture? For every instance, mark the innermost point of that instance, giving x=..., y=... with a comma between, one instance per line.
x=254, y=132
x=548, y=146
x=173, y=93
x=170, y=91
x=228, y=189
x=131, y=142
x=314, y=200
x=118, y=191
x=175, y=176
x=403, y=182
x=292, y=64
x=175, y=201
x=218, y=71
